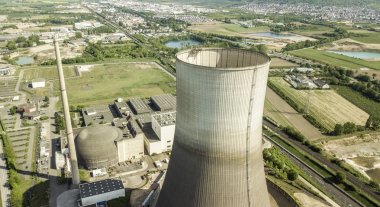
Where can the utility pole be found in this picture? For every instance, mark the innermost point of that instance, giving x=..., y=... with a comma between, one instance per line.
x=69, y=129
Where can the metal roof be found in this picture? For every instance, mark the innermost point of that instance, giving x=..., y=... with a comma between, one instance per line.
x=99, y=187
x=164, y=102
x=139, y=105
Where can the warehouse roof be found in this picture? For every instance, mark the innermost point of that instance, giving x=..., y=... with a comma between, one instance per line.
x=164, y=102
x=99, y=187
x=139, y=106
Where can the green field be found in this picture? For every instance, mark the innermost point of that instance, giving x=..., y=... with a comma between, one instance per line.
x=106, y=82
x=369, y=106
x=227, y=29
x=314, y=30
x=46, y=72
x=371, y=38
x=335, y=59
x=326, y=106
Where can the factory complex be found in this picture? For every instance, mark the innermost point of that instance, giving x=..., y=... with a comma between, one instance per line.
x=123, y=131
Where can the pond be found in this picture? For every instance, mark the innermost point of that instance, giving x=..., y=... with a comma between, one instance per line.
x=24, y=60
x=361, y=55
x=181, y=43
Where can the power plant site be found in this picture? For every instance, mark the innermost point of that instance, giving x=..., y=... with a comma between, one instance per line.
x=189, y=103
x=202, y=147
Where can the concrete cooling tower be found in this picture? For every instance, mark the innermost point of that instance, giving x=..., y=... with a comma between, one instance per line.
x=217, y=159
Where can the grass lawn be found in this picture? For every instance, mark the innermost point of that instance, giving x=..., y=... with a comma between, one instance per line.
x=371, y=38
x=336, y=59
x=121, y=202
x=326, y=106
x=46, y=72
x=368, y=105
x=280, y=63
x=106, y=82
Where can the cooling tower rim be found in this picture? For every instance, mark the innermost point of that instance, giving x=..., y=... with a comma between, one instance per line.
x=250, y=67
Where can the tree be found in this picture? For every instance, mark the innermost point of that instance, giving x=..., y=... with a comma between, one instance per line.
x=338, y=130
x=340, y=177
x=13, y=110
x=349, y=127
x=34, y=38
x=21, y=39
x=292, y=175
x=11, y=45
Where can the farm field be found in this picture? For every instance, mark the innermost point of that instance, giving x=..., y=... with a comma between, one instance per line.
x=326, y=106
x=368, y=105
x=335, y=59
x=280, y=111
x=369, y=37
x=106, y=82
x=280, y=63
x=314, y=30
x=226, y=29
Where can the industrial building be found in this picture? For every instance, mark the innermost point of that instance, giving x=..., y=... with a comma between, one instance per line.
x=100, y=191
x=101, y=114
x=139, y=106
x=96, y=146
x=164, y=102
x=131, y=144
x=217, y=154
x=38, y=83
x=103, y=146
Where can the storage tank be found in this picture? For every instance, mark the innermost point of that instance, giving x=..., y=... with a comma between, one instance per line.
x=217, y=159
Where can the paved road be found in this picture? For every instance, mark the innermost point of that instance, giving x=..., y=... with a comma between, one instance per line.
x=341, y=198
x=4, y=189
x=55, y=189
x=320, y=158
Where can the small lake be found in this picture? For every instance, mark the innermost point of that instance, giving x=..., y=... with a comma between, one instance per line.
x=24, y=60
x=181, y=43
x=274, y=35
x=361, y=55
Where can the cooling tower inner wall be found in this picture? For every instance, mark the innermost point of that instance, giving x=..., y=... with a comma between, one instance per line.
x=222, y=58
x=217, y=152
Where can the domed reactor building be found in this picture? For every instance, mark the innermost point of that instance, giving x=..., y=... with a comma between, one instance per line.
x=96, y=146
x=217, y=152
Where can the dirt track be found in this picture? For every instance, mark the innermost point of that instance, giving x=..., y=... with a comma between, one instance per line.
x=293, y=117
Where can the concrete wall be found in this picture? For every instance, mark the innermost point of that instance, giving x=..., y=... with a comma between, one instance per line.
x=217, y=156
x=165, y=134
x=131, y=148
x=153, y=147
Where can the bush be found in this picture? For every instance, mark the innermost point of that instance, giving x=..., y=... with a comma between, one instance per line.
x=340, y=177
x=294, y=134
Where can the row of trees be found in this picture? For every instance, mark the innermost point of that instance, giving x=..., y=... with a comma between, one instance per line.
x=23, y=42
x=282, y=168
x=15, y=181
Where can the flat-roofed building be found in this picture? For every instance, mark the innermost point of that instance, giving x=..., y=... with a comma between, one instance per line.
x=139, y=106
x=101, y=191
x=131, y=144
x=164, y=102
x=164, y=126
x=38, y=83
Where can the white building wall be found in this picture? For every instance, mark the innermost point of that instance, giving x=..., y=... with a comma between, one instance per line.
x=153, y=147
x=131, y=148
x=39, y=84
x=103, y=197
x=167, y=136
